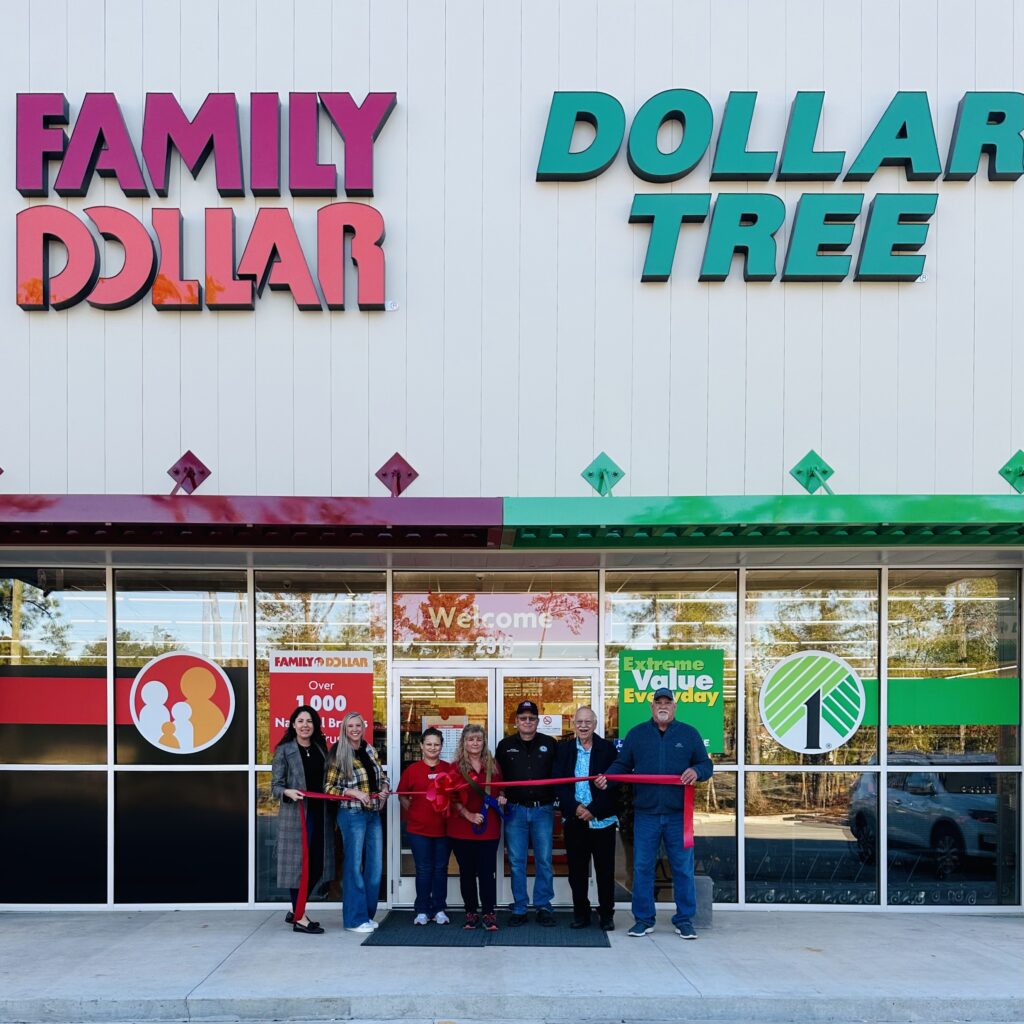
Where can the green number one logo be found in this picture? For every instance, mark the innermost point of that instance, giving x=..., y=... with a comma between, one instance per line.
x=812, y=702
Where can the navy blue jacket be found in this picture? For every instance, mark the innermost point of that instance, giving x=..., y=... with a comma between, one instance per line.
x=649, y=751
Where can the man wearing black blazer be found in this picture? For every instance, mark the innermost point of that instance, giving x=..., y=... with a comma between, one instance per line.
x=588, y=819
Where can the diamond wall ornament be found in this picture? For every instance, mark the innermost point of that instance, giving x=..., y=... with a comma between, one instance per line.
x=603, y=474
x=1013, y=471
x=812, y=472
x=188, y=473
x=396, y=474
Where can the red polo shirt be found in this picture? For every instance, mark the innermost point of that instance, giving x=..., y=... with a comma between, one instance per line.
x=421, y=819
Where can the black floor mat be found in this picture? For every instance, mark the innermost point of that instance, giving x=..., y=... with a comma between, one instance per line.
x=397, y=929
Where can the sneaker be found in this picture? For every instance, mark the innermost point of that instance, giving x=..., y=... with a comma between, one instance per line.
x=441, y=918
x=685, y=930
x=640, y=929
x=374, y=924
x=362, y=929
x=420, y=919
x=517, y=921
x=546, y=919
x=490, y=923
x=472, y=920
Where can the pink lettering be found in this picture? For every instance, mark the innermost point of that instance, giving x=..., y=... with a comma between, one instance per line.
x=274, y=256
x=37, y=228
x=359, y=126
x=366, y=227
x=39, y=138
x=100, y=142
x=306, y=175
x=135, y=278
x=223, y=289
x=214, y=130
x=170, y=290
x=265, y=144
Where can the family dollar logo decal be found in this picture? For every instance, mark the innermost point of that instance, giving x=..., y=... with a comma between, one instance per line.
x=182, y=703
x=812, y=701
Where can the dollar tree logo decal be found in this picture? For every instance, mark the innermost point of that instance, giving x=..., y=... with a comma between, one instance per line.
x=812, y=701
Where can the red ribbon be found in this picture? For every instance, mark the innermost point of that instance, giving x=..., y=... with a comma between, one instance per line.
x=440, y=791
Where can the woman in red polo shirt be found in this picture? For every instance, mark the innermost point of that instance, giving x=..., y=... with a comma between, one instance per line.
x=428, y=838
x=476, y=852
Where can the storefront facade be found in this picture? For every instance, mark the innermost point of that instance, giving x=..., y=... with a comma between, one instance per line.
x=466, y=270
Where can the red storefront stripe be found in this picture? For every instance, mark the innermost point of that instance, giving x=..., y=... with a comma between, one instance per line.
x=53, y=700
x=122, y=705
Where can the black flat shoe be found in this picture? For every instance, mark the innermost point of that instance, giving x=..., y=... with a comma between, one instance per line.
x=310, y=929
x=607, y=924
x=580, y=922
x=289, y=918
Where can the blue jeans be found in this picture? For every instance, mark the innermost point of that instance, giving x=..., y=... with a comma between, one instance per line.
x=648, y=832
x=526, y=826
x=363, y=837
x=430, y=854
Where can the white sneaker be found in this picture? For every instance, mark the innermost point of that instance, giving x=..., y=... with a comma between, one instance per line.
x=374, y=923
x=366, y=926
x=420, y=919
x=441, y=918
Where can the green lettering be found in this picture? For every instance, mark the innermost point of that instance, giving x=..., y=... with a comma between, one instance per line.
x=746, y=223
x=800, y=160
x=693, y=113
x=557, y=161
x=823, y=224
x=733, y=161
x=904, y=136
x=666, y=212
x=989, y=123
x=897, y=223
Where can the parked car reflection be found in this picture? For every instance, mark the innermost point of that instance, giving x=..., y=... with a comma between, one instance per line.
x=943, y=817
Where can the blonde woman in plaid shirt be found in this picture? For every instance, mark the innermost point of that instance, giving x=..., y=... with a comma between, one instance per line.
x=354, y=770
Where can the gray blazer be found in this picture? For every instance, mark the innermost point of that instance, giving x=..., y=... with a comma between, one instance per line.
x=288, y=773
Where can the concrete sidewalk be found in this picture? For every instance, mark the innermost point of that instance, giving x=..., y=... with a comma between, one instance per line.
x=769, y=966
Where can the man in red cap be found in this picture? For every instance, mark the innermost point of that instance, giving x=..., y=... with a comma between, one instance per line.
x=524, y=756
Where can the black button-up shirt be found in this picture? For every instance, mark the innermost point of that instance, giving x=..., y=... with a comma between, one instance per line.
x=521, y=760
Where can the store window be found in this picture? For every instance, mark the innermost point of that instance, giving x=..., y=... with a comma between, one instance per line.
x=181, y=675
x=954, y=678
x=683, y=612
x=321, y=640
x=542, y=616
x=811, y=837
x=953, y=838
x=53, y=666
x=302, y=614
x=820, y=709
x=714, y=847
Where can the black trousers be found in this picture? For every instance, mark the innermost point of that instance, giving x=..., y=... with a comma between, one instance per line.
x=477, y=860
x=583, y=844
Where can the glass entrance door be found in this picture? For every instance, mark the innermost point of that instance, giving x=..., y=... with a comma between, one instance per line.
x=451, y=696
x=557, y=696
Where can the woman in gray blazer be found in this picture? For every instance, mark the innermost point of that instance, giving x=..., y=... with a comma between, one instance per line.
x=299, y=762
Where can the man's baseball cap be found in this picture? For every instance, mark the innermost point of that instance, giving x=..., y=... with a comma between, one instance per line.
x=662, y=691
x=527, y=707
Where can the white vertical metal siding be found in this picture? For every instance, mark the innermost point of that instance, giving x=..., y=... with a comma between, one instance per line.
x=523, y=341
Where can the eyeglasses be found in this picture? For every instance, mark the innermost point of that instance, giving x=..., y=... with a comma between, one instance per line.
x=526, y=718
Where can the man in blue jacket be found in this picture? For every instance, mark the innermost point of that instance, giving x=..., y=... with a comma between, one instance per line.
x=661, y=746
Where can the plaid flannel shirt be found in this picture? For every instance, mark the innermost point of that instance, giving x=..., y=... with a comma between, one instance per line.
x=360, y=779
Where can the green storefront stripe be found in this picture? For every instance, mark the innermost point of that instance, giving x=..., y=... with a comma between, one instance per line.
x=837, y=520
x=969, y=701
